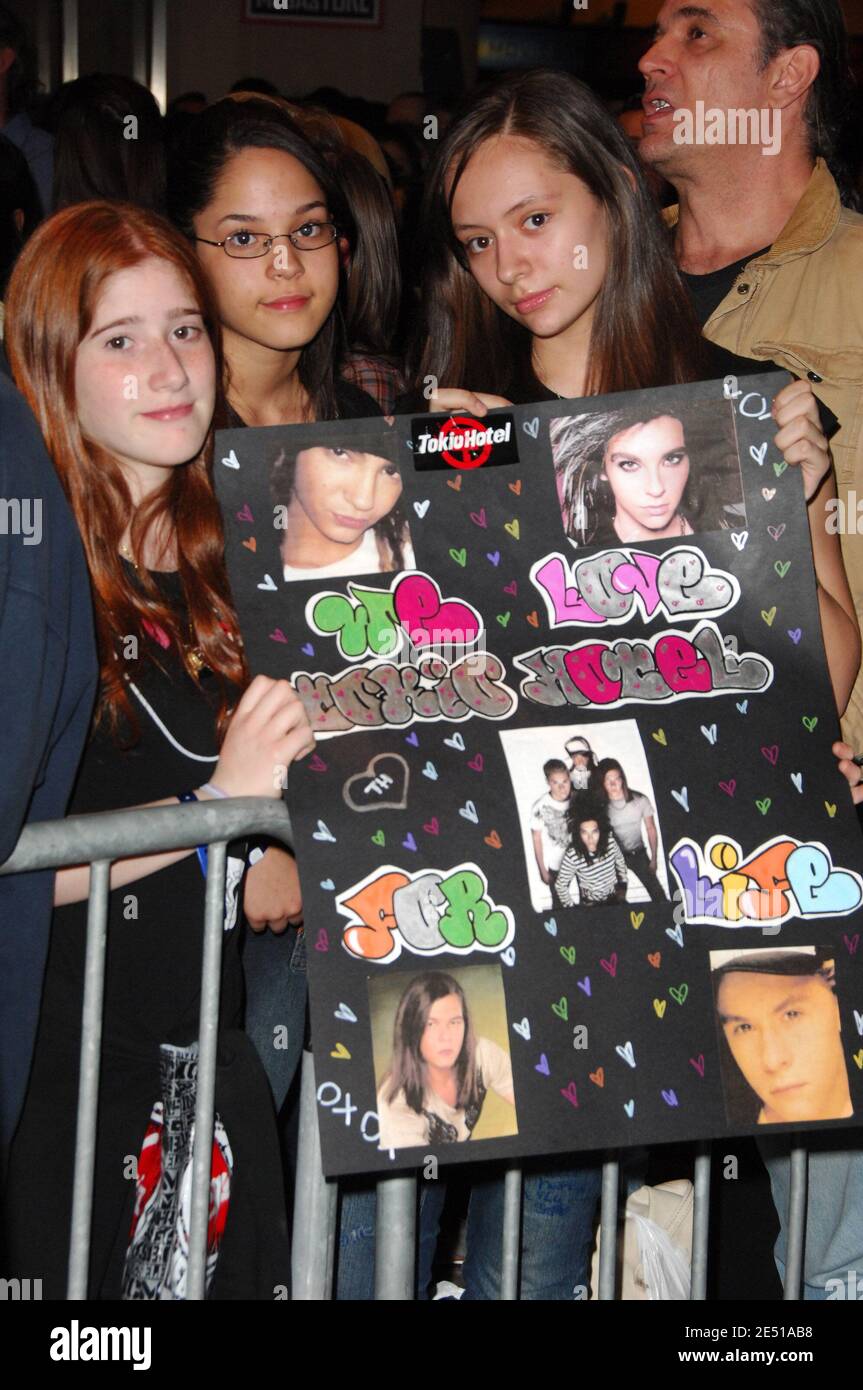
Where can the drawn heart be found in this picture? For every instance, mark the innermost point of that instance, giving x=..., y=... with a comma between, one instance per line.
x=743, y=706
x=523, y=1029
x=570, y=1093
x=533, y=618
x=636, y=918
x=782, y=567
x=479, y=518
x=383, y=785
x=568, y=953
x=432, y=827
x=551, y=926
x=345, y=1014
x=340, y=1052
x=379, y=838
x=598, y=1076
x=676, y=934
x=740, y=538
x=511, y=588
x=531, y=427
x=698, y=1063
x=460, y=557
x=508, y=956
x=729, y=787
x=561, y=1008
x=409, y=842
x=858, y=1058
x=413, y=740
x=245, y=514
x=771, y=754
x=322, y=942
x=454, y=483
x=659, y=735
x=809, y=722
x=316, y=763
x=764, y=805
x=710, y=734
x=851, y=943
x=817, y=886
x=758, y=453
x=797, y=779
x=679, y=993
x=779, y=468
x=307, y=649
x=231, y=461
x=768, y=493
x=768, y=614
x=278, y=636
x=795, y=633
x=494, y=556
x=422, y=507
x=455, y=741
x=670, y=1098
x=513, y=528
x=503, y=618
x=468, y=810
x=323, y=832
x=610, y=965
x=584, y=985
x=268, y=584
x=494, y=840
x=327, y=885
x=542, y=1065
x=430, y=771
x=476, y=764
x=682, y=797
x=655, y=959
x=625, y=1051
x=660, y=1005
x=776, y=532
x=830, y=807
x=251, y=544
x=858, y=1019
x=629, y=1107
x=515, y=487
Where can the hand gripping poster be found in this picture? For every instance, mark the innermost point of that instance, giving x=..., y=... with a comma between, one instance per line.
x=578, y=867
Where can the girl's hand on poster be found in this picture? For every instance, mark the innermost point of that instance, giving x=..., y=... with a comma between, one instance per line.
x=272, y=896
x=801, y=439
x=849, y=769
x=474, y=402
x=269, y=729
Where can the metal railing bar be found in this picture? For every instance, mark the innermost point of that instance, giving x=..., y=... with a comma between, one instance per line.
x=124, y=834
x=797, y=1195
x=511, y=1235
x=608, y=1228
x=208, y=1041
x=88, y=1088
x=315, y=1203
x=700, y=1224
x=395, y=1238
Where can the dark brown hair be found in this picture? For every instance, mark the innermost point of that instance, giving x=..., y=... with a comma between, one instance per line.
x=406, y=1073
x=644, y=331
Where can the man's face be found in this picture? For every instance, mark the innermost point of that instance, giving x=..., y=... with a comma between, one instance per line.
x=702, y=52
x=783, y=1032
x=559, y=785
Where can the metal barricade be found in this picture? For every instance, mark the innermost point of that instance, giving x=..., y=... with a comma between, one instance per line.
x=102, y=839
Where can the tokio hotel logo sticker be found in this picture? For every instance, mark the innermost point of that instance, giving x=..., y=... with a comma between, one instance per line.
x=463, y=442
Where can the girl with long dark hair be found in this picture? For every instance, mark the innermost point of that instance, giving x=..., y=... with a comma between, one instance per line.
x=113, y=340
x=441, y=1072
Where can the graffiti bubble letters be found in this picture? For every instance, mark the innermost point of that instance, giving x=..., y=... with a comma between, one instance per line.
x=783, y=878
x=427, y=912
x=370, y=697
x=377, y=622
x=606, y=587
x=671, y=665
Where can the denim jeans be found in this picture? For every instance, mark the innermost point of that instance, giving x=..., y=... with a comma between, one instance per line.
x=275, y=971
x=559, y=1208
x=834, y=1212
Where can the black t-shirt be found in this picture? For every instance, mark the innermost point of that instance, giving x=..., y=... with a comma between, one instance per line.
x=351, y=404
x=708, y=291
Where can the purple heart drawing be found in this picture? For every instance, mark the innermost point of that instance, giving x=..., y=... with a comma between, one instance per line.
x=795, y=633
x=409, y=842
x=413, y=740
x=542, y=1065
x=584, y=985
x=670, y=1098
x=494, y=556
x=278, y=636
x=307, y=649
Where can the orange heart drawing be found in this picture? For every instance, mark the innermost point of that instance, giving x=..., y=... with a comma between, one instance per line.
x=494, y=840
x=251, y=544
x=598, y=1076
x=454, y=483
x=533, y=618
x=655, y=957
x=515, y=487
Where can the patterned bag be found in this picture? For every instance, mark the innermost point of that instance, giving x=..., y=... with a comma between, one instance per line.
x=158, y=1254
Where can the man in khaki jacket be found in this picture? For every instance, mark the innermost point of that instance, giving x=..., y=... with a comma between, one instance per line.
x=743, y=105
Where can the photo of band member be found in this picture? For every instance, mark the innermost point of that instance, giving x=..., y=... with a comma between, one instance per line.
x=780, y=1040
x=338, y=504
x=631, y=475
x=587, y=812
x=440, y=1043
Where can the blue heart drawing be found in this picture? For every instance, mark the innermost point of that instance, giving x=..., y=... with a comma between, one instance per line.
x=468, y=810
x=523, y=1029
x=820, y=890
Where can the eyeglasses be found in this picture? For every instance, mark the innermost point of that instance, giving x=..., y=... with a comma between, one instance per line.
x=245, y=245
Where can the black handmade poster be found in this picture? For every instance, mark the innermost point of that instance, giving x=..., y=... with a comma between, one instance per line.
x=578, y=868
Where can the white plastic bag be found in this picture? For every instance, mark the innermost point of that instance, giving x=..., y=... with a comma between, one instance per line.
x=665, y=1269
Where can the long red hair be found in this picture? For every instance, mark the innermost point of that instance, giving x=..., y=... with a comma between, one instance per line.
x=50, y=303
